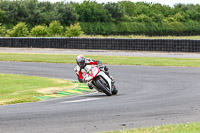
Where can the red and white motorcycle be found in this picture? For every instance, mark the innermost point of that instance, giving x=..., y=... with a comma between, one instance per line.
x=98, y=80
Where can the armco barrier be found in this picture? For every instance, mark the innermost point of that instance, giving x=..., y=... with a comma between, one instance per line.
x=105, y=44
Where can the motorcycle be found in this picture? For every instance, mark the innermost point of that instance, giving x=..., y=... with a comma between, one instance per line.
x=98, y=79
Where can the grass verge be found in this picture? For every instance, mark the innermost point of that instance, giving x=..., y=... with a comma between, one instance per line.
x=21, y=88
x=143, y=37
x=115, y=60
x=181, y=128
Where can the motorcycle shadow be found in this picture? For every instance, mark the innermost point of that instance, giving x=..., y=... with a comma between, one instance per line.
x=96, y=95
x=100, y=95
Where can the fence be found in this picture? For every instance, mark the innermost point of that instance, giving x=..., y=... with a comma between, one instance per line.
x=105, y=44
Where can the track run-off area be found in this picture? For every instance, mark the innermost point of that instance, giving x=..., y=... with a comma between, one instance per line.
x=148, y=96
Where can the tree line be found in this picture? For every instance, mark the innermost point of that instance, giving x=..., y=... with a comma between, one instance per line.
x=112, y=18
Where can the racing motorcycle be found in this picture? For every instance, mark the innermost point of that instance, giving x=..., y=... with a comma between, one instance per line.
x=98, y=79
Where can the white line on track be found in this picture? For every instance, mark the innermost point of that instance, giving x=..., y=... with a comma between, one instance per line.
x=82, y=100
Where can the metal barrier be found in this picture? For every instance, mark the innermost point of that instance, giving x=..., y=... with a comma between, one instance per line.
x=168, y=45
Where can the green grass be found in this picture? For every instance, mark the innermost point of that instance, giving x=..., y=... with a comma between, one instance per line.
x=115, y=60
x=21, y=88
x=182, y=128
x=143, y=37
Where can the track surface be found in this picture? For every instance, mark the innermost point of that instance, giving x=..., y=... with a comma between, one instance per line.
x=148, y=96
x=102, y=52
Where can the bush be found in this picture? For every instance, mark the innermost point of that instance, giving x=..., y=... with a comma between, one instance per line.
x=2, y=30
x=39, y=31
x=73, y=31
x=55, y=29
x=122, y=28
x=175, y=28
x=20, y=30
x=193, y=27
x=98, y=28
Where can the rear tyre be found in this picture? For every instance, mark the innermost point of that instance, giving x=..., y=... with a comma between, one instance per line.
x=103, y=86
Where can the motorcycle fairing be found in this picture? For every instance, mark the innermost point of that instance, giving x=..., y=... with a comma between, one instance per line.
x=91, y=72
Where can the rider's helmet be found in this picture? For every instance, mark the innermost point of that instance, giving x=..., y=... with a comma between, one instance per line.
x=80, y=60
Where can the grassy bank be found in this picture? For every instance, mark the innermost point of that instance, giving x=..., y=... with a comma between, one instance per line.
x=143, y=37
x=115, y=60
x=182, y=128
x=21, y=88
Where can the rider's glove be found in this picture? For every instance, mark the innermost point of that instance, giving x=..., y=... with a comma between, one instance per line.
x=100, y=66
x=75, y=69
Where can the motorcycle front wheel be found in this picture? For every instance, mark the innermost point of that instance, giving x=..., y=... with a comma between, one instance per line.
x=103, y=85
x=114, y=90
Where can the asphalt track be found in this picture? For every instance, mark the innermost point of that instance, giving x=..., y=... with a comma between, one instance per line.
x=102, y=52
x=148, y=96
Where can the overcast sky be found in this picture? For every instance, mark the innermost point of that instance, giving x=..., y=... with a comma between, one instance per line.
x=164, y=2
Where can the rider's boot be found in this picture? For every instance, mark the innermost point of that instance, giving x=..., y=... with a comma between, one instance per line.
x=107, y=73
x=105, y=69
x=90, y=86
x=112, y=79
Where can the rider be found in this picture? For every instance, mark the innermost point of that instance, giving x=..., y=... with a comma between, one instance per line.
x=82, y=62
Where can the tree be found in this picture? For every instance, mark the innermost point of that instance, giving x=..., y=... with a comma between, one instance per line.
x=66, y=13
x=90, y=11
x=11, y=10
x=40, y=12
x=142, y=18
x=116, y=10
x=3, y=17
x=129, y=7
x=143, y=8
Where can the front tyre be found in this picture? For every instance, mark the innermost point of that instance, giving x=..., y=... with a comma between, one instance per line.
x=114, y=90
x=101, y=84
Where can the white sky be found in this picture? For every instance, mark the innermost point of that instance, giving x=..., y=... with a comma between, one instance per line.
x=164, y=2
